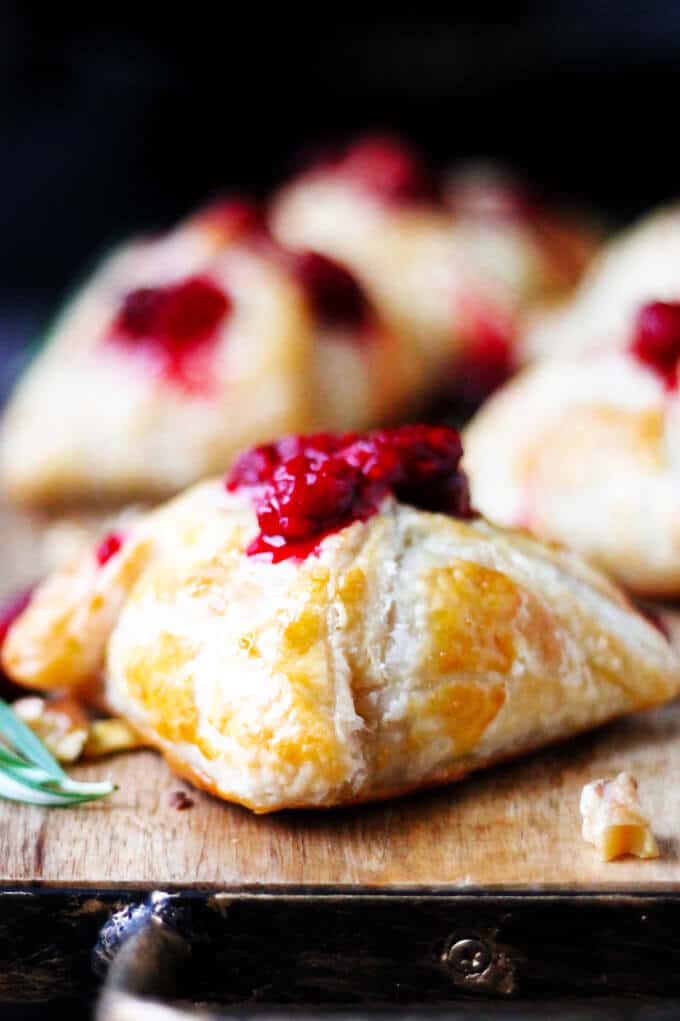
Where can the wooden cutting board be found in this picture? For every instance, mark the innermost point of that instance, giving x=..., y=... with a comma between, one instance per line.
x=510, y=828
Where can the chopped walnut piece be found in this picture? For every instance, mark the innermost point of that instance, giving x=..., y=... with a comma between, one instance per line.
x=69, y=734
x=105, y=737
x=61, y=723
x=613, y=820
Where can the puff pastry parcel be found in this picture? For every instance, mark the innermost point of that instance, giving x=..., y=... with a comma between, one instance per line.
x=335, y=625
x=455, y=267
x=586, y=450
x=640, y=265
x=181, y=351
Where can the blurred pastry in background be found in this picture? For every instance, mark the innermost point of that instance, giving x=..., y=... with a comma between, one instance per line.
x=453, y=265
x=586, y=450
x=375, y=291
x=639, y=266
x=540, y=252
x=182, y=351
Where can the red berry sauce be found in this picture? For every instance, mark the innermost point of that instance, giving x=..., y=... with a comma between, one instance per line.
x=308, y=487
x=175, y=326
x=386, y=169
x=108, y=547
x=656, y=341
x=335, y=296
x=489, y=336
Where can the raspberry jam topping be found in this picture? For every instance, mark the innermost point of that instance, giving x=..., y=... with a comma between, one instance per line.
x=108, y=547
x=174, y=324
x=335, y=296
x=656, y=341
x=387, y=169
x=489, y=334
x=307, y=487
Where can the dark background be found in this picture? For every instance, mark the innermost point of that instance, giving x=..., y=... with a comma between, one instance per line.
x=113, y=120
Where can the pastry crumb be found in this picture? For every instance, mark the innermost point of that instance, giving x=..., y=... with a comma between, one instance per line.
x=613, y=820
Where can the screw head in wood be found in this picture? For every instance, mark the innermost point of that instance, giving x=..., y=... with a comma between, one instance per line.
x=468, y=957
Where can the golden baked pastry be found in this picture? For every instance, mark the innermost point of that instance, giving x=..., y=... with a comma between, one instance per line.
x=584, y=450
x=182, y=351
x=454, y=269
x=638, y=266
x=335, y=625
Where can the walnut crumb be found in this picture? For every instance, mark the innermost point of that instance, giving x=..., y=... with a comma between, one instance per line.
x=70, y=735
x=180, y=801
x=106, y=737
x=59, y=722
x=613, y=820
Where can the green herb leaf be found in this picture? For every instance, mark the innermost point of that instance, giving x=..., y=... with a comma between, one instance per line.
x=29, y=773
x=20, y=737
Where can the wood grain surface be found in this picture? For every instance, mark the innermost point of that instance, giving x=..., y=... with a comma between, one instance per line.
x=512, y=827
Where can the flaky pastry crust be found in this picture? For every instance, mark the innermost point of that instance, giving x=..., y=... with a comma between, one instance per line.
x=585, y=451
x=412, y=649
